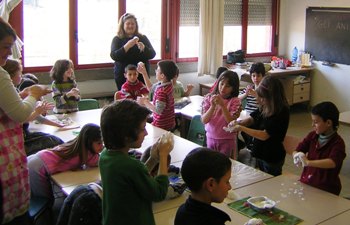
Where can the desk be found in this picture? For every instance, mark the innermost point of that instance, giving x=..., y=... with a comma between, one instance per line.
x=308, y=203
x=344, y=117
x=342, y=218
x=188, y=112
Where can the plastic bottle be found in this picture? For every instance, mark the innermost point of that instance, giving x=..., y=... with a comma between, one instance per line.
x=294, y=54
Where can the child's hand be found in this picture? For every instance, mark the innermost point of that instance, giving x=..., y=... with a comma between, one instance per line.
x=166, y=144
x=189, y=87
x=220, y=101
x=141, y=100
x=233, y=126
x=43, y=106
x=252, y=92
x=300, y=159
x=37, y=91
x=141, y=68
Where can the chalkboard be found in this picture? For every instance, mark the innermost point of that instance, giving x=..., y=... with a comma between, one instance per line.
x=327, y=34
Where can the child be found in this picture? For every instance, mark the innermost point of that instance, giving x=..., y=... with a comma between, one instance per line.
x=207, y=174
x=322, y=151
x=128, y=188
x=257, y=72
x=179, y=90
x=132, y=88
x=163, y=100
x=33, y=141
x=218, y=109
x=219, y=71
x=79, y=153
x=268, y=126
x=65, y=91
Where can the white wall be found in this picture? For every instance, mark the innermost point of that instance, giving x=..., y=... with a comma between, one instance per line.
x=329, y=83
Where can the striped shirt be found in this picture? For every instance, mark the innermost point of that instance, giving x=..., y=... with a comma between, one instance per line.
x=63, y=103
x=251, y=102
x=163, y=100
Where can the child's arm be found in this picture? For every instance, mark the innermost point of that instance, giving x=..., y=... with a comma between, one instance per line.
x=226, y=112
x=319, y=163
x=142, y=69
x=206, y=115
x=145, y=102
x=41, y=108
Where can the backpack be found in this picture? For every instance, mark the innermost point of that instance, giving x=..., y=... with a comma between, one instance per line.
x=82, y=207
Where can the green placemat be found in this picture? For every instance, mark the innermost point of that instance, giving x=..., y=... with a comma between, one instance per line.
x=270, y=217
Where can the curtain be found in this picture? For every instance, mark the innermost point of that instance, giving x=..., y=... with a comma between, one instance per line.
x=211, y=28
x=6, y=6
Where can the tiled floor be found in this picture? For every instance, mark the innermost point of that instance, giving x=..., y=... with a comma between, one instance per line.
x=300, y=125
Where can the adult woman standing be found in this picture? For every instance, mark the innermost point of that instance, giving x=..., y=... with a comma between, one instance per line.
x=14, y=180
x=129, y=47
x=268, y=126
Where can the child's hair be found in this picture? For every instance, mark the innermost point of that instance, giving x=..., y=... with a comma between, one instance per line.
x=60, y=67
x=220, y=70
x=80, y=145
x=122, y=19
x=12, y=66
x=6, y=30
x=327, y=111
x=272, y=91
x=120, y=123
x=31, y=77
x=258, y=68
x=232, y=79
x=130, y=67
x=168, y=68
x=203, y=163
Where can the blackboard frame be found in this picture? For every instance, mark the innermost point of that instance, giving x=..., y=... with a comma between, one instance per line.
x=327, y=34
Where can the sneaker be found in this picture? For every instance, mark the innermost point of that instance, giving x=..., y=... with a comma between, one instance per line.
x=175, y=190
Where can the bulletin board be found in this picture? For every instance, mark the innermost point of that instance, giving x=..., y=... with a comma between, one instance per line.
x=327, y=34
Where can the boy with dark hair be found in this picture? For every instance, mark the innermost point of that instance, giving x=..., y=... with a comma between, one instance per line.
x=322, y=151
x=207, y=174
x=163, y=99
x=132, y=88
x=128, y=188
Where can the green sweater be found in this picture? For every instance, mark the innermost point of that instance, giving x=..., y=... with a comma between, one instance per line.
x=128, y=190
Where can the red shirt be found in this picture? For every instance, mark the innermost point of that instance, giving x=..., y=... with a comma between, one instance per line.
x=163, y=100
x=325, y=179
x=133, y=90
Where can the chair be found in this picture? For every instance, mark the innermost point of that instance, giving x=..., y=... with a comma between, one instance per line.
x=38, y=207
x=88, y=103
x=290, y=143
x=196, y=131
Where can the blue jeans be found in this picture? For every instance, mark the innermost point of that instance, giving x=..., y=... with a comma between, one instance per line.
x=274, y=169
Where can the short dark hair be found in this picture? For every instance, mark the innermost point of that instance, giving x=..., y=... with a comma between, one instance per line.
x=168, y=68
x=130, y=67
x=327, y=111
x=220, y=70
x=6, y=30
x=258, y=68
x=232, y=79
x=203, y=163
x=121, y=120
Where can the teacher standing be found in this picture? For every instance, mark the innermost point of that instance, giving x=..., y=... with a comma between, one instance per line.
x=129, y=47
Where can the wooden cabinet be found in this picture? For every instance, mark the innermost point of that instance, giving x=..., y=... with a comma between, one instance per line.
x=296, y=83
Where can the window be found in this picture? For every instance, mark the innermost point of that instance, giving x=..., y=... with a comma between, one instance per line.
x=94, y=33
x=83, y=30
x=148, y=14
x=45, y=32
x=189, y=29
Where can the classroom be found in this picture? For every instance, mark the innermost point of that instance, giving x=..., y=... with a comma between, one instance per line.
x=327, y=83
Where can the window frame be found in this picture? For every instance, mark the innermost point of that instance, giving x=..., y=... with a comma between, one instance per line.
x=169, y=27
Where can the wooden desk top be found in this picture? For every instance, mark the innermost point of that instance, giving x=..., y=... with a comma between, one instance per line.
x=344, y=117
x=343, y=218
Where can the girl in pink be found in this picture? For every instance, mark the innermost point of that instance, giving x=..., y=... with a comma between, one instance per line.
x=79, y=153
x=218, y=108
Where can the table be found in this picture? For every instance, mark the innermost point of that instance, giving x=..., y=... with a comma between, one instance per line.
x=344, y=117
x=308, y=203
x=342, y=218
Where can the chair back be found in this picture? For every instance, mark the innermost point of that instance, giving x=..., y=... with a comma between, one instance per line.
x=290, y=143
x=88, y=103
x=40, y=209
x=196, y=132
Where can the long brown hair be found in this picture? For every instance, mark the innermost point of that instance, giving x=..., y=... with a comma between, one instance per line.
x=122, y=19
x=271, y=91
x=81, y=145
